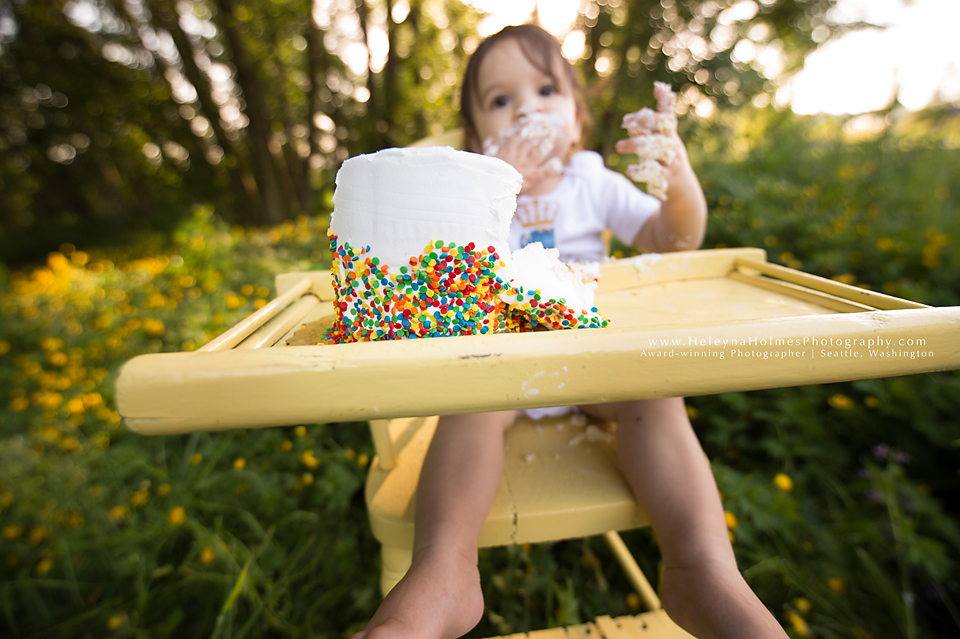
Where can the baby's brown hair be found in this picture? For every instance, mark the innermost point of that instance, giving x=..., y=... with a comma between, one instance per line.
x=542, y=51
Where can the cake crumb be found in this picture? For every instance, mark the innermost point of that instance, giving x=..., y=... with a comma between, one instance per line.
x=593, y=434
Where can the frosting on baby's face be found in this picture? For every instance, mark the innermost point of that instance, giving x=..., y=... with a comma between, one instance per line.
x=542, y=130
x=518, y=100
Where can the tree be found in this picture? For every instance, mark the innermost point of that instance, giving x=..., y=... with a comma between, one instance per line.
x=123, y=114
x=714, y=52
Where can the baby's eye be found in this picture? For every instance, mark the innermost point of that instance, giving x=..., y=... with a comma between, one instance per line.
x=500, y=101
x=548, y=90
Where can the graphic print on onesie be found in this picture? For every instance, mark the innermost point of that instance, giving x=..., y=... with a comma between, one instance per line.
x=536, y=218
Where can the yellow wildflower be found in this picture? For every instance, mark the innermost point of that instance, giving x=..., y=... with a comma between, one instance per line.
x=783, y=482
x=75, y=405
x=38, y=535
x=692, y=412
x=164, y=490
x=4, y=347
x=362, y=460
x=836, y=584
x=207, y=555
x=196, y=458
x=70, y=444
x=93, y=400
x=802, y=605
x=177, y=516
x=239, y=463
x=153, y=327
x=730, y=518
x=44, y=566
x=871, y=402
x=57, y=359
x=350, y=453
x=139, y=498
x=247, y=289
x=286, y=446
x=633, y=601
x=51, y=344
x=841, y=402
x=18, y=404
x=307, y=479
x=12, y=532
x=72, y=519
x=309, y=460
x=300, y=431
x=799, y=624
x=116, y=622
x=732, y=537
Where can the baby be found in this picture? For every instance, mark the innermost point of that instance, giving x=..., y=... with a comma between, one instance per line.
x=521, y=102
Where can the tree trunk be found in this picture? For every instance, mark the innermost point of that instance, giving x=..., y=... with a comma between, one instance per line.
x=259, y=129
x=390, y=97
x=167, y=16
x=414, y=18
x=316, y=63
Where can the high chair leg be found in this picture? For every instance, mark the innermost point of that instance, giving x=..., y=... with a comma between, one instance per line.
x=396, y=562
x=637, y=579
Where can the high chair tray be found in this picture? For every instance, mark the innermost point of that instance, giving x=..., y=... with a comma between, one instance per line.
x=689, y=323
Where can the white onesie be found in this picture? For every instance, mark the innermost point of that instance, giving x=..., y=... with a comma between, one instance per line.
x=572, y=217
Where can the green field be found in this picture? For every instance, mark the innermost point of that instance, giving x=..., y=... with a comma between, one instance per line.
x=841, y=498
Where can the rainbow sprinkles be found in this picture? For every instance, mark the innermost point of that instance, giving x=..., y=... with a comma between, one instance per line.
x=445, y=287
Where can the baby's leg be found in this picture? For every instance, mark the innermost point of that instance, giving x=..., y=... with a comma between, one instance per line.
x=440, y=597
x=702, y=588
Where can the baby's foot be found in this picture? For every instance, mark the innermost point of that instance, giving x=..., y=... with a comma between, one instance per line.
x=712, y=600
x=438, y=598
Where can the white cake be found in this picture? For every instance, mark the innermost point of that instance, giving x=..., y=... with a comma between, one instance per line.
x=419, y=241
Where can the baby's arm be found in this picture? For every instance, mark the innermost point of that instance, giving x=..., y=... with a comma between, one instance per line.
x=680, y=223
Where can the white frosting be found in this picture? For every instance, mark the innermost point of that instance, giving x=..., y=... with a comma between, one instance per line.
x=542, y=129
x=397, y=200
x=541, y=269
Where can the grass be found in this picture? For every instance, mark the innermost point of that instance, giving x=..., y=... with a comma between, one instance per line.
x=840, y=498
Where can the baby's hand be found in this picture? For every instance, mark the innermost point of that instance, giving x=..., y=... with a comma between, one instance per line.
x=653, y=137
x=525, y=156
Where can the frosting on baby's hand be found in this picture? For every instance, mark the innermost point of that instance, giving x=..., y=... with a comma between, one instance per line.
x=540, y=129
x=653, y=139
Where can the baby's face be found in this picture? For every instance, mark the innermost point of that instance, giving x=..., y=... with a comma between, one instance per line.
x=510, y=87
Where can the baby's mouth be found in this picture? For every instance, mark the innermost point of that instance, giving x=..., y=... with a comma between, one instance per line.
x=541, y=129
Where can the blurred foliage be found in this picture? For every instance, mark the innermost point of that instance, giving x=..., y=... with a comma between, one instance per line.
x=841, y=499
x=118, y=116
x=143, y=141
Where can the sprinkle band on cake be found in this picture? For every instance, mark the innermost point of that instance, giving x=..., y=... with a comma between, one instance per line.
x=446, y=290
x=444, y=286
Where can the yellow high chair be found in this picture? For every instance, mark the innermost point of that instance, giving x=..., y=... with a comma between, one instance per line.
x=682, y=324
